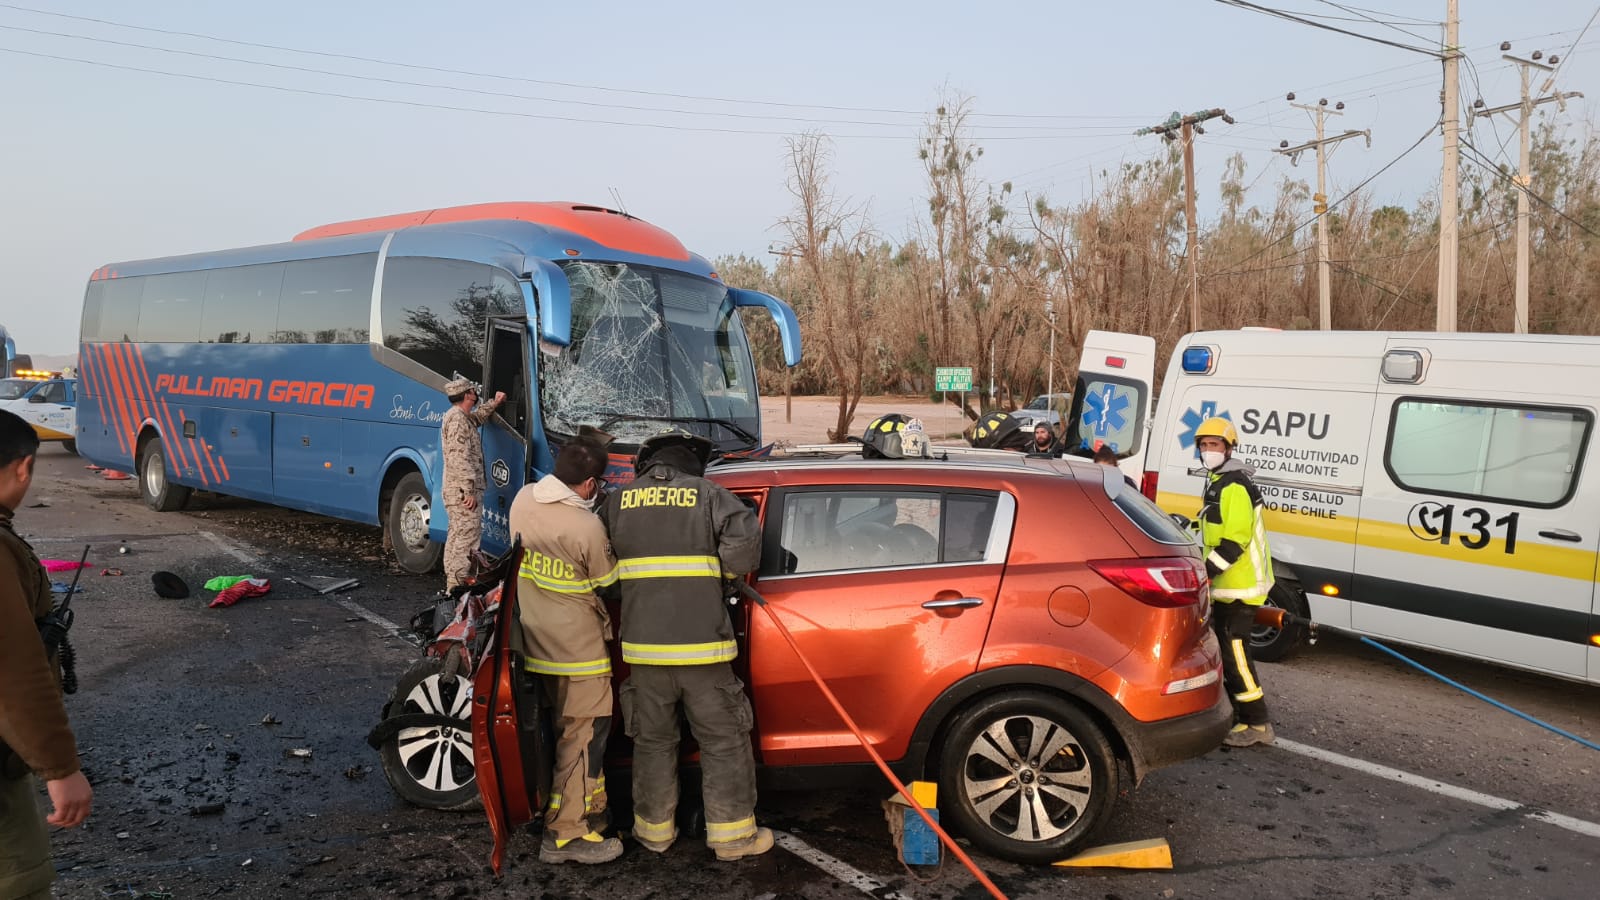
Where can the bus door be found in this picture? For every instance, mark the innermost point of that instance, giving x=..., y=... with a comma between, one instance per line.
x=505, y=435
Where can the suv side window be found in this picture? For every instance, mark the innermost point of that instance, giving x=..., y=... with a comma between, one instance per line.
x=879, y=528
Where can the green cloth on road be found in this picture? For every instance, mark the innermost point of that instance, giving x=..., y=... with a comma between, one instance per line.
x=223, y=582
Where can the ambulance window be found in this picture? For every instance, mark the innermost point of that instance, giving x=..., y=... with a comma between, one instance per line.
x=1107, y=410
x=1523, y=455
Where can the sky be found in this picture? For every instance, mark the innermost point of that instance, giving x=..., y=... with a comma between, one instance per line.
x=159, y=127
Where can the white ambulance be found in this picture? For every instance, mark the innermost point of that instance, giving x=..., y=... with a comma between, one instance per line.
x=46, y=400
x=1438, y=490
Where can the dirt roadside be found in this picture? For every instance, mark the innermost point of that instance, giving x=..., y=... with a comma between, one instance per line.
x=808, y=419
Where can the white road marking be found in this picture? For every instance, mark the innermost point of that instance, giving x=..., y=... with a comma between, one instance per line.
x=838, y=868
x=1432, y=785
x=350, y=605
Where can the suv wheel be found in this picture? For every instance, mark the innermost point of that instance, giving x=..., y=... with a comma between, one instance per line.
x=1027, y=776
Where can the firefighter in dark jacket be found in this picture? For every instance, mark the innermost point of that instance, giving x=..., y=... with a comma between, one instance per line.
x=676, y=537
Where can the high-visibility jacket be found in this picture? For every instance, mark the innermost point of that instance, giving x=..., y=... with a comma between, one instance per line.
x=565, y=559
x=676, y=536
x=1234, y=537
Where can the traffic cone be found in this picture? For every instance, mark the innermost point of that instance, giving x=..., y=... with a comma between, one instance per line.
x=114, y=475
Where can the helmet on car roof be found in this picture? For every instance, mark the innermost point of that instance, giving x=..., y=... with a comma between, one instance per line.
x=999, y=431
x=894, y=436
x=702, y=448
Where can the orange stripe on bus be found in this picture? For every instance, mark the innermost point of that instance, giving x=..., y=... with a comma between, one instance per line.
x=164, y=415
x=119, y=390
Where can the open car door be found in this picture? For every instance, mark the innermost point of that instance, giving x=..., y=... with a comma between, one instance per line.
x=1112, y=403
x=511, y=743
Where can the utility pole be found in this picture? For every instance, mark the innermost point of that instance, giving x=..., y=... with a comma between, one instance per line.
x=1449, y=215
x=1524, y=178
x=1050, y=377
x=1320, y=199
x=1186, y=127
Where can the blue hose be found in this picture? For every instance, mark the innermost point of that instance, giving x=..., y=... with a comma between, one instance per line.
x=1490, y=700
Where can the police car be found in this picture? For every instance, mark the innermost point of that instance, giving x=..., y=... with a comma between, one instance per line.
x=46, y=400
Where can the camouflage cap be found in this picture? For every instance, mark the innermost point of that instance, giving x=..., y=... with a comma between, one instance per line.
x=458, y=386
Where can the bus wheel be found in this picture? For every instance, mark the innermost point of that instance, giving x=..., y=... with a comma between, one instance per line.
x=1272, y=644
x=410, y=509
x=159, y=494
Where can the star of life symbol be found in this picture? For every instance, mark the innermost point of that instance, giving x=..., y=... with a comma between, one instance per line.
x=1106, y=410
x=1192, y=418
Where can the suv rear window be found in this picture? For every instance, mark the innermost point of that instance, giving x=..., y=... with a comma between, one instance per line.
x=1149, y=517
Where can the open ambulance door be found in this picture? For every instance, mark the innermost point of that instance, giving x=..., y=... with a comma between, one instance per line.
x=511, y=743
x=1112, y=402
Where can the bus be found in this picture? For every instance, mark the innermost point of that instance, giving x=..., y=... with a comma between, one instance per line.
x=310, y=374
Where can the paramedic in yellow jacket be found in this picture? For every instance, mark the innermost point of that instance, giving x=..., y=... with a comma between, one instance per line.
x=1240, y=565
x=565, y=558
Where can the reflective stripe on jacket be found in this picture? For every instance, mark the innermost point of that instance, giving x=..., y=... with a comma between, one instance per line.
x=1234, y=537
x=565, y=558
x=676, y=535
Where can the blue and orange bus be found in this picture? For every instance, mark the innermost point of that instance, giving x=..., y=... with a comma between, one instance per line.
x=310, y=374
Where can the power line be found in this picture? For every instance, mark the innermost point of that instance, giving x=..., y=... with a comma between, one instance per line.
x=1284, y=14
x=532, y=97
x=1395, y=26
x=1352, y=192
x=418, y=104
x=547, y=82
x=1494, y=168
x=1565, y=56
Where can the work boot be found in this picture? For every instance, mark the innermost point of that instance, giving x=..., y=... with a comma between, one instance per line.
x=656, y=846
x=754, y=845
x=589, y=849
x=1244, y=735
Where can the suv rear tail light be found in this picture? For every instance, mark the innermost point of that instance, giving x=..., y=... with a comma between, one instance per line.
x=1167, y=582
x=1147, y=485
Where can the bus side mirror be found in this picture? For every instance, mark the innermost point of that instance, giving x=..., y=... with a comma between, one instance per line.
x=552, y=298
x=782, y=314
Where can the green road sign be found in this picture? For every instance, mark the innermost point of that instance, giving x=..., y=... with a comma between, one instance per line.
x=952, y=378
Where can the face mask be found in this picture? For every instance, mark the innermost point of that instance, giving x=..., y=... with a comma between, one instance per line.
x=1212, y=458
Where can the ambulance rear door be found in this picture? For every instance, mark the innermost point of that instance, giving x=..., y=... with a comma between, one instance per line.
x=1111, y=405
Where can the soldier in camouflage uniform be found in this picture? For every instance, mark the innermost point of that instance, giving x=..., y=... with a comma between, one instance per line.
x=464, y=481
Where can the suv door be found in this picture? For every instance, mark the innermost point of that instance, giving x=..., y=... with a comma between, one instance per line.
x=889, y=591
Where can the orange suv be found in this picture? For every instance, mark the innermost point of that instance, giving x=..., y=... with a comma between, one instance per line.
x=1009, y=626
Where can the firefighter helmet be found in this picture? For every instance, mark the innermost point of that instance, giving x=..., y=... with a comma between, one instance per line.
x=702, y=448
x=894, y=436
x=1216, y=426
x=999, y=431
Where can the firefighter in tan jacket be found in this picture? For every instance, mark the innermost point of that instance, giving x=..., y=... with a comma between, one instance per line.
x=565, y=558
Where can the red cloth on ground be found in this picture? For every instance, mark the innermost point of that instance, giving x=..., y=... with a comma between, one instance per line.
x=240, y=591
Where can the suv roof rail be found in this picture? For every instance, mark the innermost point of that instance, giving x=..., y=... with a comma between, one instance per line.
x=936, y=452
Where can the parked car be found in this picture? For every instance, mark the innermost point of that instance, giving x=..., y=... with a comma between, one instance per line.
x=1020, y=630
x=1046, y=408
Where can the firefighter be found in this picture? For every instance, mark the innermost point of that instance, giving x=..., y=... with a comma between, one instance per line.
x=35, y=739
x=677, y=536
x=1240, y=565
x=464, y=481
x=565, y=559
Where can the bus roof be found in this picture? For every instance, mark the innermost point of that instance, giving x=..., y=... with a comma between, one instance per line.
x=493, y=233
x=607, y=227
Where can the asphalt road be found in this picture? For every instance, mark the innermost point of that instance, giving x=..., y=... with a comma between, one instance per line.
x=1386, y=783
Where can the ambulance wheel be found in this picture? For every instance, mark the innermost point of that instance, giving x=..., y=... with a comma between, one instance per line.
x=410, y=511
x=1269, y=644
x=70, y=447
x=432, y=766
x=1026, y=776
x=159, y=493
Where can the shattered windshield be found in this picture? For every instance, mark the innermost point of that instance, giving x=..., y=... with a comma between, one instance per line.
x=13, y=388
x=651, y=348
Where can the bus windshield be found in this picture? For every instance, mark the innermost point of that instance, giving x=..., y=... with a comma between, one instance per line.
x=651, y=346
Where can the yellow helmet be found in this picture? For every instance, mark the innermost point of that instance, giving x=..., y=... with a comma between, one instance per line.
x=1216, y=426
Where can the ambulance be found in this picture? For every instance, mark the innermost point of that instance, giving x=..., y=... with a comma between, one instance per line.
x=1436, y=490
x=46, y=400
